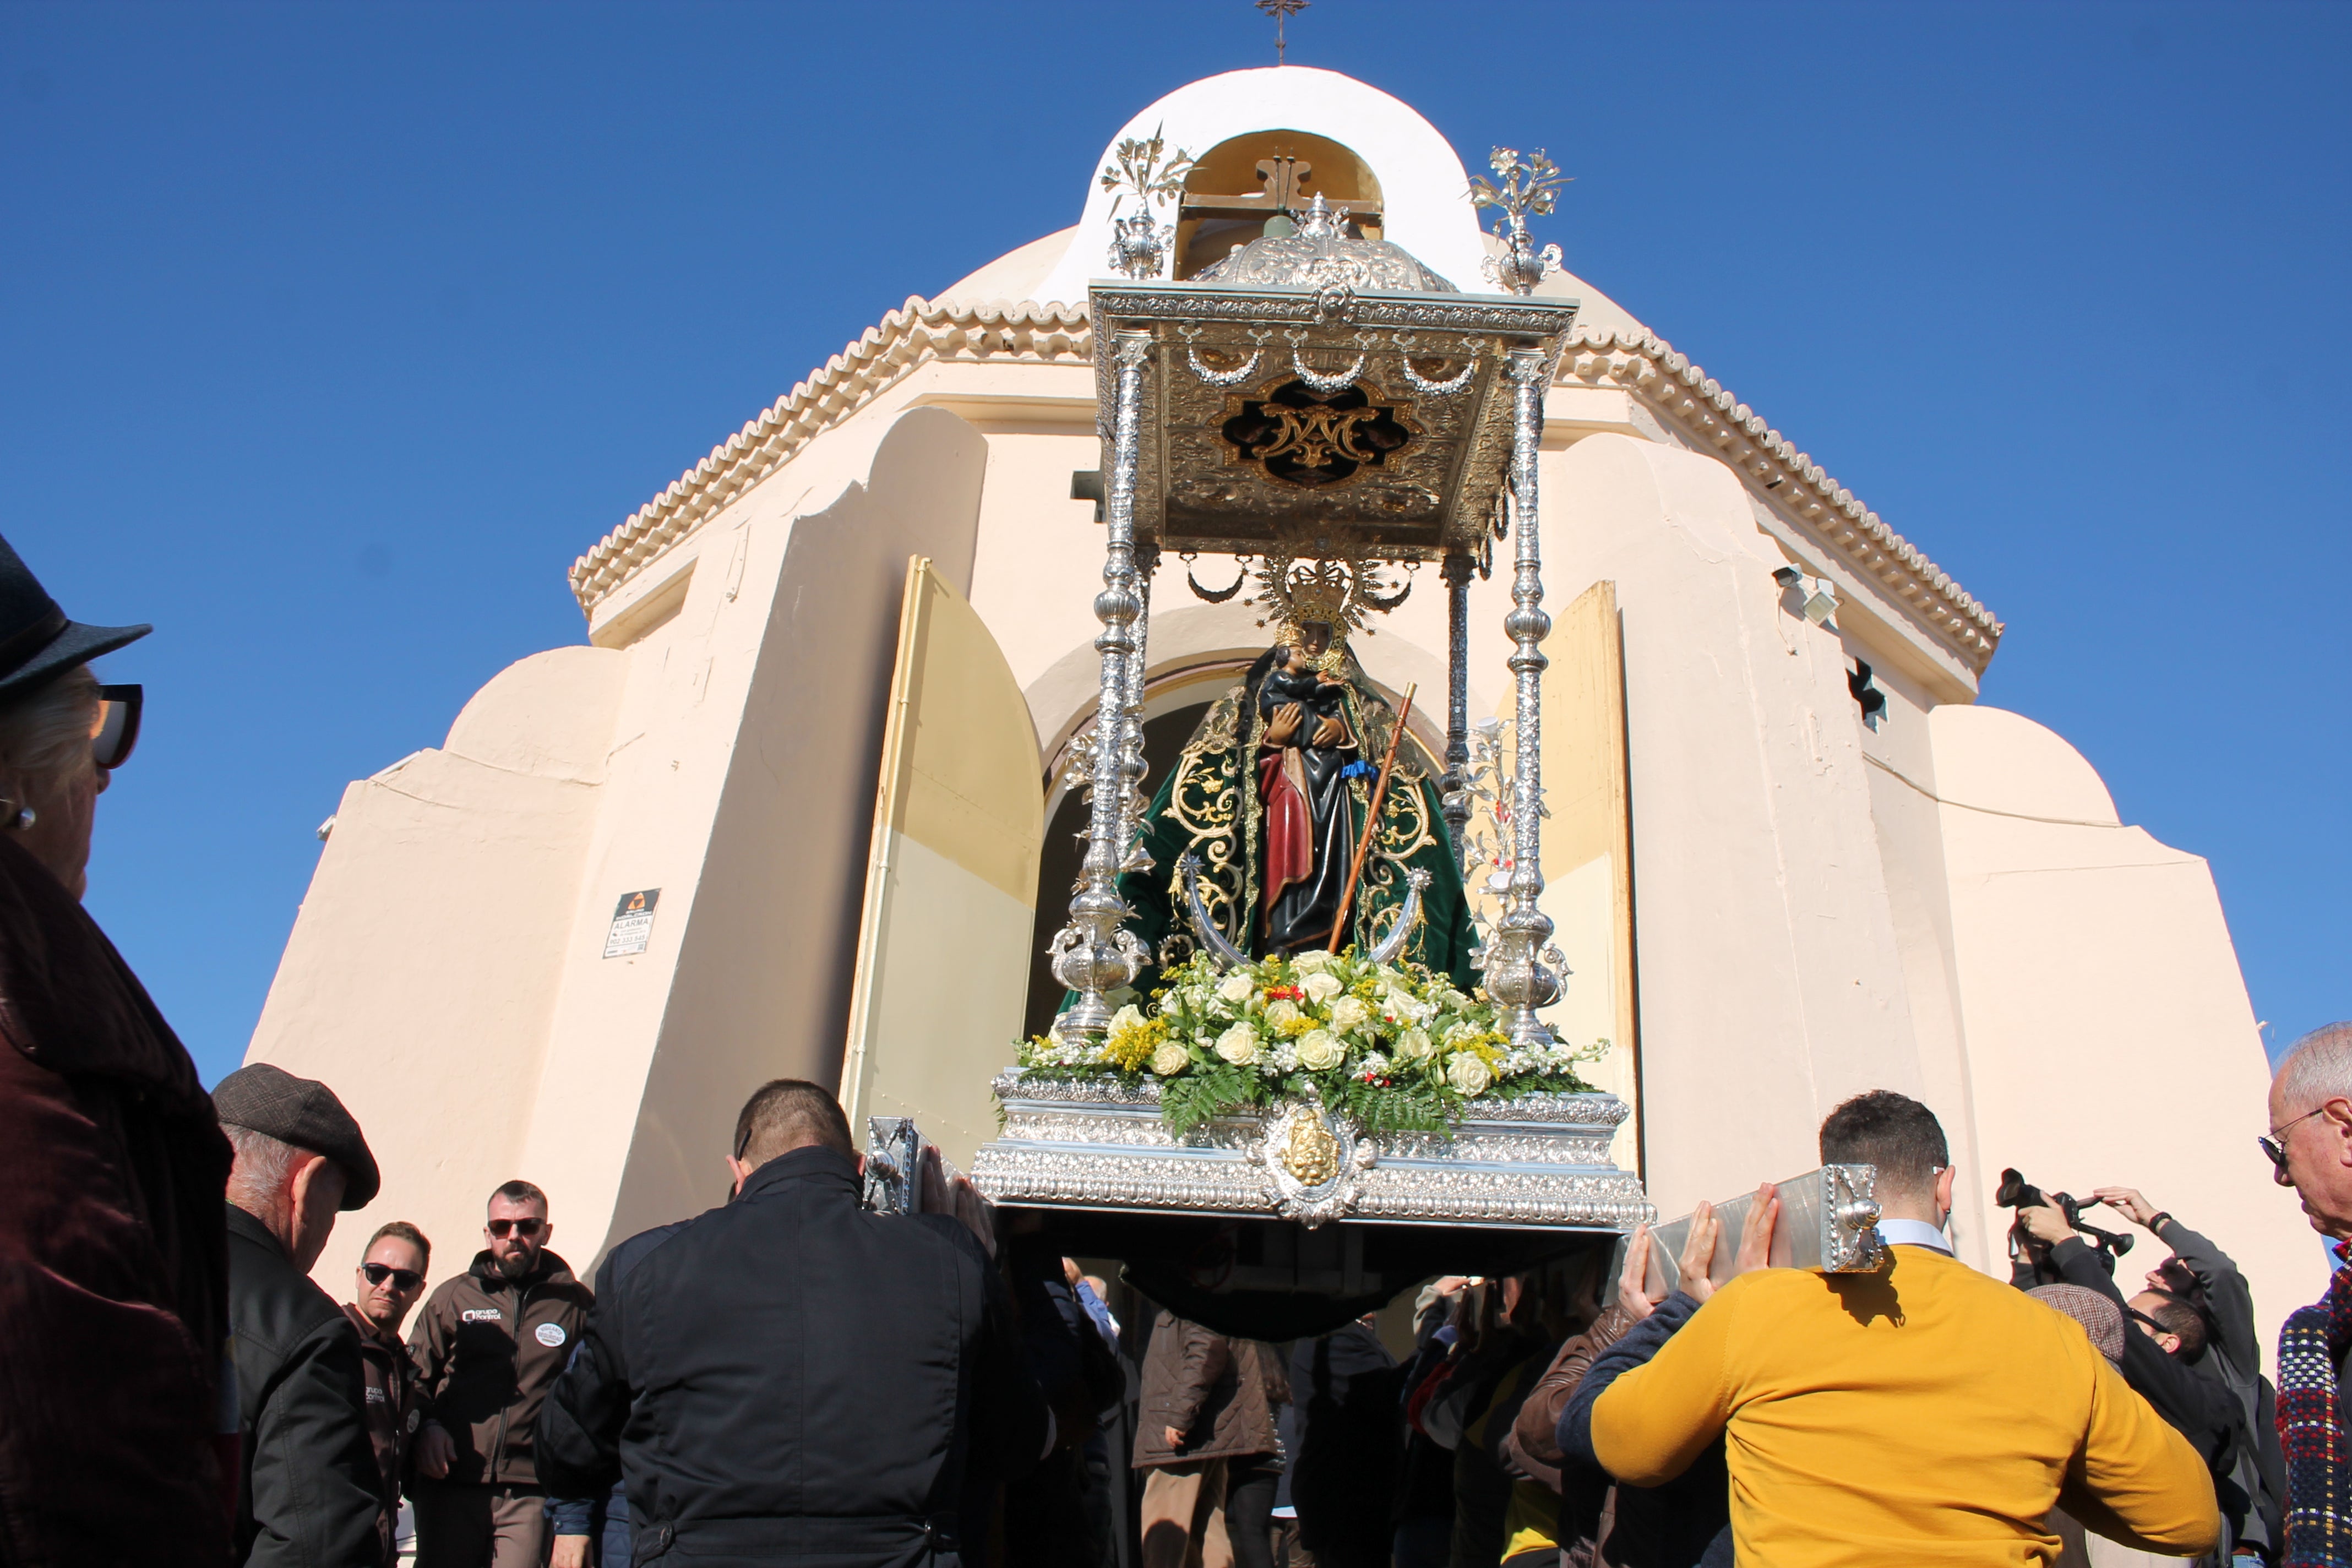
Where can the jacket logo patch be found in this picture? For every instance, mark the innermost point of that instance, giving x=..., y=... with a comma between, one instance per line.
x=481, y=1315
x=375, y=1396
x=550, y=1334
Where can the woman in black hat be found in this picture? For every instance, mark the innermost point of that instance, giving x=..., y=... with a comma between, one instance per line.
x=118, y=1419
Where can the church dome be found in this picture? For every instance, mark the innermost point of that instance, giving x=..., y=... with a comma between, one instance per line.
x=1323, y=250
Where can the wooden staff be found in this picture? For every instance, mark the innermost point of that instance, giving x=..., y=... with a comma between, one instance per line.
x=1371, y=820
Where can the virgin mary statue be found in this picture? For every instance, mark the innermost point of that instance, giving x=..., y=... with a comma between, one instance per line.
x=1271, y=794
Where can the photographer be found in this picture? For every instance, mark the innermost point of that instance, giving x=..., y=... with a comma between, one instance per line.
x=2156, y=1359
x=2200, y=1277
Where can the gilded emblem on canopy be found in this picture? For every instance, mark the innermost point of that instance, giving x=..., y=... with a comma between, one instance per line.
x=1300, y=436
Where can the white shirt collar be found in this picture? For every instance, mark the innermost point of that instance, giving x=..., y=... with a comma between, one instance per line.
x=1913, y=1233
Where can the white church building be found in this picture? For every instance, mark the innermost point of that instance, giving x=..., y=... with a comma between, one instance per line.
x=1790, y=857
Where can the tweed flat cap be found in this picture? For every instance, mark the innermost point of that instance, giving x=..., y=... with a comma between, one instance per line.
x=2101, y=1318
x=304, y=1112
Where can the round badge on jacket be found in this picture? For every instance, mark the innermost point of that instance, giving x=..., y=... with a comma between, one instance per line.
x=550, y=1334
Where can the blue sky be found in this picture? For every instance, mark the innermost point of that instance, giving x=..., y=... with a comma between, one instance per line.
x=334, y=332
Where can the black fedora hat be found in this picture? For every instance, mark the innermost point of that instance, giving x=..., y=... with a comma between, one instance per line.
x=37, y=643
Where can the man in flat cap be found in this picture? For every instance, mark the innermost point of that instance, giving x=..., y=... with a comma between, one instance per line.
x=309, y=1496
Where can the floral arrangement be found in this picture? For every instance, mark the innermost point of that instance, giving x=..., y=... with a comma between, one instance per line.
x=1394, y=1047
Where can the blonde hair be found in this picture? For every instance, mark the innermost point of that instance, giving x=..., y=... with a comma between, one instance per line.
x=44, y=735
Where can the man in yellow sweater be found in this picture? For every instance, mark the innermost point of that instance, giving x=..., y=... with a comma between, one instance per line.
x=1923, y=1414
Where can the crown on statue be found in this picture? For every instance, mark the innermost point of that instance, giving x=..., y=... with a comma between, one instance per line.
x=1337, y=594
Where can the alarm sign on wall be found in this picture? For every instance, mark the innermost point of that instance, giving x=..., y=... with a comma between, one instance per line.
x=633, y=923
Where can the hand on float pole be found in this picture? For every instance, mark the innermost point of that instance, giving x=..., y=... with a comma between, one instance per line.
x=1371, y=821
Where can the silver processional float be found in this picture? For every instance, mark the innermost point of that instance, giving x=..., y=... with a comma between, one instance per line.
x=1276, y=1136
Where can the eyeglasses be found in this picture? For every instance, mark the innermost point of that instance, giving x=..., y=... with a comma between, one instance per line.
x=403, y=1279
x=118, y=725
x=525, y=1228
x=2275, y=1144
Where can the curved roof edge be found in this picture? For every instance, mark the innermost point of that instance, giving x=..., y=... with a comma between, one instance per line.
x=1682, y=395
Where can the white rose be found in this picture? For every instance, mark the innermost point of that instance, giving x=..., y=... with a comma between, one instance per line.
x=1238, y=1045
x=1466, y=1072
x=1321, y=985
x=1236, y=987
x=1415, y=1045
x=1351, y=1013
x=1170, y=1059
x=1319, y=1050
x=1286, y=1011
x=1126, y=1018
x=1405, y=1007
x=1314, y=963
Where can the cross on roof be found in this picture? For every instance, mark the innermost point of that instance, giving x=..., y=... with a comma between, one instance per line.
x=1281, y=11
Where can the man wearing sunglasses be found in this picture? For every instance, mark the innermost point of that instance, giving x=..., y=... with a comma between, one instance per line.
x=488, y=1344
x=390, y=1280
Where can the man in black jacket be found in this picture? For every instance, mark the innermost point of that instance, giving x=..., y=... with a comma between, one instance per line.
x=309, y=1493
x=791, y=1376
x=1344, y=1386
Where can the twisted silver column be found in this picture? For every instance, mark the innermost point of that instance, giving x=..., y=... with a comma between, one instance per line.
x=1095, y=953
x=1515, y=977
x=1455, y=787
x=1133, y=766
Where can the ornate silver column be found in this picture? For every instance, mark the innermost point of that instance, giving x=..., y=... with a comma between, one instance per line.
x=1455, y=787
x=1095, y=953
x=1515, y=976
x=1133, y=766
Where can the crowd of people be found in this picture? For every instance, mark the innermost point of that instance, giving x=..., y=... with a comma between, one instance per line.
x=794, y=1378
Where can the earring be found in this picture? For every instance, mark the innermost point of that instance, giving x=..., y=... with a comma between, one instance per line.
x=18, y=819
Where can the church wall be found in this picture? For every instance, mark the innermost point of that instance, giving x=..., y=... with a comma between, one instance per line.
x=2110, y=1038
x=766, y=948
x=1769, y=977
x=423, y=964
x=1903, y=810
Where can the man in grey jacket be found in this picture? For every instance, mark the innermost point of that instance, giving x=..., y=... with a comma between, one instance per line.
x=2231, y=1357
x=308, y=1497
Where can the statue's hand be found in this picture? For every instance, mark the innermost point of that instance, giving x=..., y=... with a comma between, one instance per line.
x=1330, y=732
x=1283, y=724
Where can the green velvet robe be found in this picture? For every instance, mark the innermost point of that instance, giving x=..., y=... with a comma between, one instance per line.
x=1207, y=803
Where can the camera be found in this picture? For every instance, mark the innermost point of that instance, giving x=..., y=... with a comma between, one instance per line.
x=2030, y=1257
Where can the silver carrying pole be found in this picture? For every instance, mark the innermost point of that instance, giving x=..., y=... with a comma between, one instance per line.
x=1828, y=1221
x=1095, y=953
x=1517, y=977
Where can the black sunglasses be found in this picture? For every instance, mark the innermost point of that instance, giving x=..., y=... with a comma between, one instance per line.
x=401, y=1279
x=523, y=1227
x=118, y=725
x=2275, y=1144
